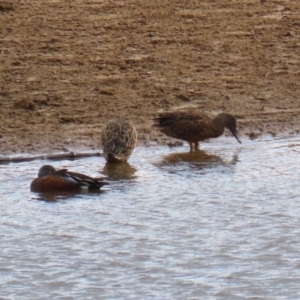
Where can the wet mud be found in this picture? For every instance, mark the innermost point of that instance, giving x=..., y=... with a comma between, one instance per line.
x=67, y=67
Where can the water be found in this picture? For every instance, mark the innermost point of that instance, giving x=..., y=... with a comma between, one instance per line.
x=220, y=224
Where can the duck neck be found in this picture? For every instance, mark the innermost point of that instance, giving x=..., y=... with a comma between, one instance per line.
x=220, y=123
x=221, y=118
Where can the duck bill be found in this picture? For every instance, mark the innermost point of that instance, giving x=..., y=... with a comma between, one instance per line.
x=112, y=157
x=234, y=133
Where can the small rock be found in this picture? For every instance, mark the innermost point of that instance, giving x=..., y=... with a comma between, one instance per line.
x=253, y=135
x=24, y=104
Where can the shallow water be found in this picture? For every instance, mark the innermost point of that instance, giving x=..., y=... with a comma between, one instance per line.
x=219, y=224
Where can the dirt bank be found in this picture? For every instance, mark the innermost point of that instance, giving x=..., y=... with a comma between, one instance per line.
x=66, y=67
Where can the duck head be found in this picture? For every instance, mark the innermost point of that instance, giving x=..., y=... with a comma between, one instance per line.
x=46, y=170
x=229, y=122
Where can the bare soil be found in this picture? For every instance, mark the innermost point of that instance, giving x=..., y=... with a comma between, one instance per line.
x=67, y=67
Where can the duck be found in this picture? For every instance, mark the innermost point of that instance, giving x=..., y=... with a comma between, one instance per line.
x=193, y=127
x=50, y=180
x=119, y=139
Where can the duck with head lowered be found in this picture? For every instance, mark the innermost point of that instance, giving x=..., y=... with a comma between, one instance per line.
x=194, y=127
x=119, y=138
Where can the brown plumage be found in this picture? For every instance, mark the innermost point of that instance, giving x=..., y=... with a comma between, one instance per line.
x=193, y=127
x=49, y=180
x=119, y=138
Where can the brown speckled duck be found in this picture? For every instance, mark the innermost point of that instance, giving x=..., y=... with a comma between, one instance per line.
x=119, y=138
x=193, y=127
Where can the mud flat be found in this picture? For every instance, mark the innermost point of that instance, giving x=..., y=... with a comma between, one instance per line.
x=66, y=67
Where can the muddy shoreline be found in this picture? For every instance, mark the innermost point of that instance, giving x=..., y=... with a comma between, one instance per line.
x=67, y=67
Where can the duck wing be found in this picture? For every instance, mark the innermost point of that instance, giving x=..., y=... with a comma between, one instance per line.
x=81, y=179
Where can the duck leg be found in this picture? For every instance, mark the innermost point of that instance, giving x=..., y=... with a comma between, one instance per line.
x=191, y=146
x=196, y=146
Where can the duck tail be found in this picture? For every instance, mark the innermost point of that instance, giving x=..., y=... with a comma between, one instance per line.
x=163, y=120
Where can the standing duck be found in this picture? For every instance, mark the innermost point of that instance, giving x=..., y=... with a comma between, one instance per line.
x=49, y=180
x=119, y=138
x=193, y=127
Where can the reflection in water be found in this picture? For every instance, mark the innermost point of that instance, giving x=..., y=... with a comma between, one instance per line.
x=199, y=159
x=117, y=171
x=53, y=197
x=58, y=196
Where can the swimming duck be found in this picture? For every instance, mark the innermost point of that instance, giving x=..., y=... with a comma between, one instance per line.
x=193, y=127
x=119, y=138
x=49, y=179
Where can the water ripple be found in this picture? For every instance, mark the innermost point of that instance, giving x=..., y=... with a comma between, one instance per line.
x=222, y=223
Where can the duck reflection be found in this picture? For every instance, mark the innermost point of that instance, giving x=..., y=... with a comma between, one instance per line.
x=118, y=171
x=198, y=159
x=54, y=196
x=61, y=196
